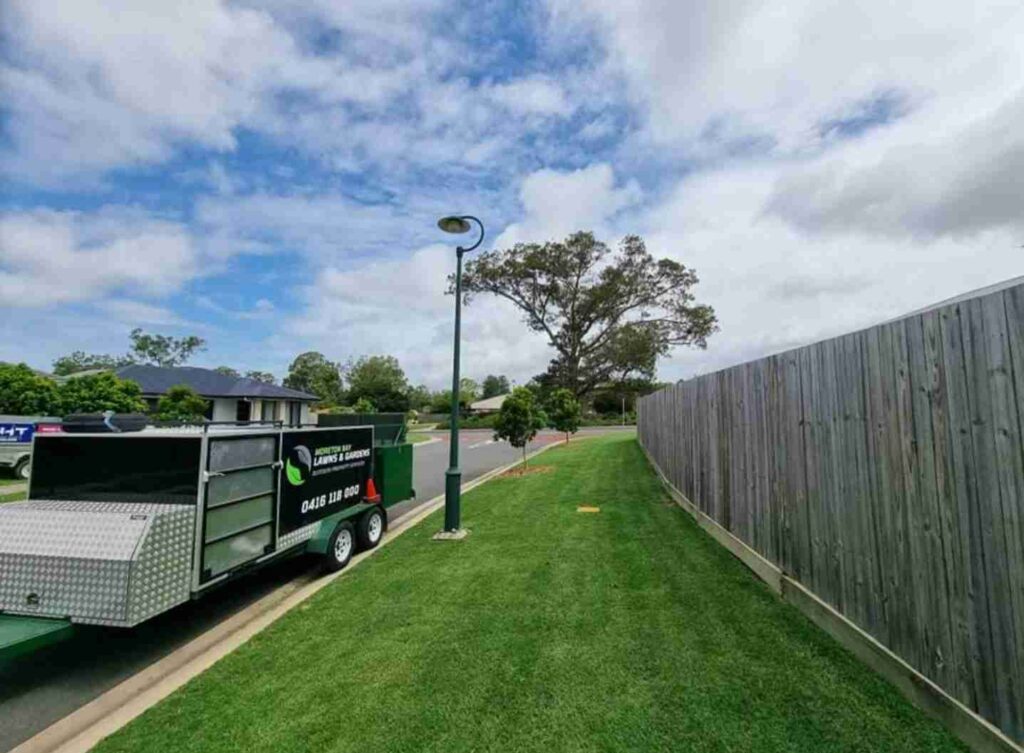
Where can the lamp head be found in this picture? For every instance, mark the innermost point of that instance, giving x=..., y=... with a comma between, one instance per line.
x=453, y=224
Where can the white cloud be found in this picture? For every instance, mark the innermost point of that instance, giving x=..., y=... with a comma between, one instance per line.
x=557, y=203
x=532, y=96
x=92, y=85
x=774, y=286
x=49, y=257
x=399, y=307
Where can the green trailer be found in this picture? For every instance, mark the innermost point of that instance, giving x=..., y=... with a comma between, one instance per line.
x=121, y=526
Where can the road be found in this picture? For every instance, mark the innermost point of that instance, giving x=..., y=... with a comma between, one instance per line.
x=38, y=690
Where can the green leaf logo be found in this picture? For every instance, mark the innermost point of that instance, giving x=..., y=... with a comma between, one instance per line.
x=294, y=474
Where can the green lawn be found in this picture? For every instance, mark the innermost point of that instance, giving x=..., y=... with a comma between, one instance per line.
x=12, y=497
x=9, y=480
x=416, y=437
x=546, y=630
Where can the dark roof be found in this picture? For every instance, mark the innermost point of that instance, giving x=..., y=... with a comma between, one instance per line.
x=156, y=380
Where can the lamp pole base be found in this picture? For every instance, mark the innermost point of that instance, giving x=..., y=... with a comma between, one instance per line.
x=456, y=535
x=452, y=499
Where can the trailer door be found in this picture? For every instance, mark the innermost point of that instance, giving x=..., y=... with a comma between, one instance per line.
x=240, y=502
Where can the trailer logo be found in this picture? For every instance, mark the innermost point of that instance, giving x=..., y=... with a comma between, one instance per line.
x=298, y=466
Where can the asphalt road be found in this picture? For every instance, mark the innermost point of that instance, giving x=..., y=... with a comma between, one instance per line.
x=40, y=689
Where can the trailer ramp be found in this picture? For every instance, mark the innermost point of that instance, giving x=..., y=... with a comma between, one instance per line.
x=22, y=635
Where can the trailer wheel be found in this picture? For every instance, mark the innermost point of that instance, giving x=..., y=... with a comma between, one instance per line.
x=371, y=528
x=340, y=547
x=21, y=470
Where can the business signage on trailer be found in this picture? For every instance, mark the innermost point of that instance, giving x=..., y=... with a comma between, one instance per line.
x=324, y=472
x=16, y=433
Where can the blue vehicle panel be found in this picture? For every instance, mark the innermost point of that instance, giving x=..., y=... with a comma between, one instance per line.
x=16, y=433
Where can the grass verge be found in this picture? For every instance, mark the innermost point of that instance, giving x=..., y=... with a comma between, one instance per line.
x=13, y=497
x=545, y=630
x=416, y=438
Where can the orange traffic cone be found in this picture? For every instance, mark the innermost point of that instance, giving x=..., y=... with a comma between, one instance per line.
x=371, y=493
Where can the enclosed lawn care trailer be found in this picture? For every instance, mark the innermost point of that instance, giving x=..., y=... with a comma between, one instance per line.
x=120, y=527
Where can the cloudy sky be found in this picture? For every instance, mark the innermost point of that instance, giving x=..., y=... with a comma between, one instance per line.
x=268, y=173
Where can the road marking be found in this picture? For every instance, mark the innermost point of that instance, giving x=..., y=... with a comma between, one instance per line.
x=81, y=730
x=480, y=444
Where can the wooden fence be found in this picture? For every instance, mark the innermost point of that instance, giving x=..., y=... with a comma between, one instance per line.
x=884, y=471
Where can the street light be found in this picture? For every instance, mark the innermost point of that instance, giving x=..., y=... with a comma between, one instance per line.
x=453, y=476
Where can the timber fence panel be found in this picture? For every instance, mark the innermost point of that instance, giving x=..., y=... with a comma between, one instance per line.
x=884, y=471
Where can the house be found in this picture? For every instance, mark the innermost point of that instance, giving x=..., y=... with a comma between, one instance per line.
x=230, y=398
x=488, y=405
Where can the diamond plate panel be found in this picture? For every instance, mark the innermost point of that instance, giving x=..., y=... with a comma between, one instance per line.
x=95, y=562
x=298, y=536
x=161, y=573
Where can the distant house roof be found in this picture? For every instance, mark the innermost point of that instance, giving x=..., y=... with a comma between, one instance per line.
x=489, y=404
x=156, y=380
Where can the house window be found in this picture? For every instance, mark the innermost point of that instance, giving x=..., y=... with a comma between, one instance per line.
x=294, y=412
x=243, y=410
x=268, y=410
x=208, y=413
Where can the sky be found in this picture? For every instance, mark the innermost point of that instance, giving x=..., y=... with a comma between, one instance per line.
x=267, y=174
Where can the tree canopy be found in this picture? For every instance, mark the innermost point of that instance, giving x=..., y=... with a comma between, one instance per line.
x=607, y=315
x=494, y=385
x=158, y=350
x=261, y=376
x=95, y=393
x=180, y=403
x=81, y=361
x=312, y=372
x=380, y=380
x=163, y=350
x=23, y=392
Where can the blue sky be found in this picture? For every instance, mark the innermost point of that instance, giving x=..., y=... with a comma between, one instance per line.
x=267, y=174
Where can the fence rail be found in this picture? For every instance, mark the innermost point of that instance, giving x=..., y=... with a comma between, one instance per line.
x=883, y=470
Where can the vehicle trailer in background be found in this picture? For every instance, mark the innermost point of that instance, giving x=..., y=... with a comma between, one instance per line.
x=119, y=527
x=16, y=434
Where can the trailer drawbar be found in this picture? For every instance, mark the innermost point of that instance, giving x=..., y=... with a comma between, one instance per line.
x=119, y=527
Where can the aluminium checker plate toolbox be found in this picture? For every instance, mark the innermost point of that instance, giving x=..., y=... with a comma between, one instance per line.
x=102, y=563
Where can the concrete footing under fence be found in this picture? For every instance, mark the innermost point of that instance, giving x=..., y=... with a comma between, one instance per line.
x=973, y=730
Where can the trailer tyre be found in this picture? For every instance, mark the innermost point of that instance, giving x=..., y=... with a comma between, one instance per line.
x=21, y=470
x=340, y=547
x=371, y=528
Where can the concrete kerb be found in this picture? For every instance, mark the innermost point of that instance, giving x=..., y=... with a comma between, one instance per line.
x=84, y=728
x=972, y=729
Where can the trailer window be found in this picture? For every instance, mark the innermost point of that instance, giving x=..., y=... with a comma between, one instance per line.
x=118, y=468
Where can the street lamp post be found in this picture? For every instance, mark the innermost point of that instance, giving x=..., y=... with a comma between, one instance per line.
x=453, y=476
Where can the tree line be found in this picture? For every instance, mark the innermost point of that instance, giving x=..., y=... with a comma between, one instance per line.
x=608, y=316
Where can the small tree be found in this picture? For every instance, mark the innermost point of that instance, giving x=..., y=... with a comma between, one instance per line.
x=180, y=403
x=564, y=412
x=95, y=393
x=519, y=419
x=227, y=371
x=25, y=393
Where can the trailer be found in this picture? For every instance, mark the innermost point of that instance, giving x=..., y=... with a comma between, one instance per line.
x=16, y=434
x=119, y=527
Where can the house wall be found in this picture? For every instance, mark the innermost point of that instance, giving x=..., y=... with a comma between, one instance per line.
x=224, y=409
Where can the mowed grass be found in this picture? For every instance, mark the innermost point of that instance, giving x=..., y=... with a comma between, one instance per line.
x=12, y=497
x=545, y=630
x=416, y=437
